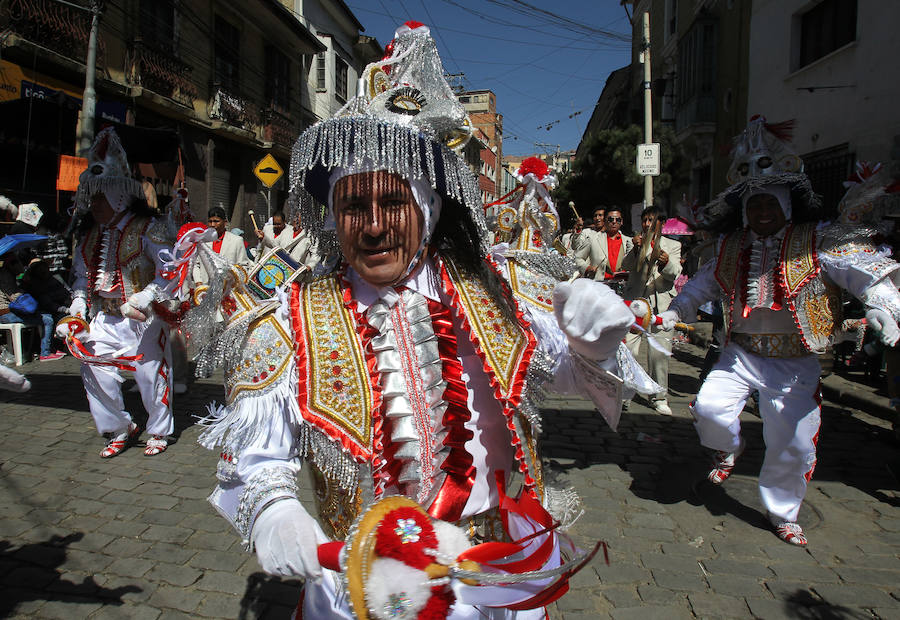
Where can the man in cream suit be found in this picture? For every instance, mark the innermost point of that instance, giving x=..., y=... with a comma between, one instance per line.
x=608, y=248
x=652, y=277
x=229, y=245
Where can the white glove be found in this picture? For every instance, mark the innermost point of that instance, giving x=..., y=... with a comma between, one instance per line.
x=284, y=536
x=594, y=319
x=138, y=305
x=669, y=318
x=885, y=325
x=78, y=307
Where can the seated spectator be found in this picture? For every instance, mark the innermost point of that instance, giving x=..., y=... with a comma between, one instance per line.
x=52, y=295
x=9, y=292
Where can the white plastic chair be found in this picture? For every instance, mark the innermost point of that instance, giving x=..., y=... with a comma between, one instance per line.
x=15, y=330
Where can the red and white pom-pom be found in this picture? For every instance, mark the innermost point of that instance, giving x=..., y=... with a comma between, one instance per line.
x=534, y=166
x=412, y=26
x=452, y=540
x=396, y=590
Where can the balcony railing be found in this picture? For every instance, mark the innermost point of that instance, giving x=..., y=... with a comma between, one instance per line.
x=161, y=72
x=278, y=128
x=233, y=109
x=55, y=26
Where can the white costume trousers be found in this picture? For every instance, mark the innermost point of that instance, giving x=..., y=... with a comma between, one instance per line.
x=116, y=335
x=657, y=362
x=790, y=406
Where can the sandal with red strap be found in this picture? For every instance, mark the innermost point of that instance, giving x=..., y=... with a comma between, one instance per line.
x=155, y=445
x=790, y=533
x=117, y=444
x=723, y=464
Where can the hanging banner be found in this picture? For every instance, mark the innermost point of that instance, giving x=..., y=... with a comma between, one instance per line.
x=70, y=168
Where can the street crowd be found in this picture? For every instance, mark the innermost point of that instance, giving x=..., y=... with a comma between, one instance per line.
x=367, y=337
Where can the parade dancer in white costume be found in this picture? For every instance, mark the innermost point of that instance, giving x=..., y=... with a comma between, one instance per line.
x=409, y=369
x=111, y=323
x=525, y=225
x=780, y=275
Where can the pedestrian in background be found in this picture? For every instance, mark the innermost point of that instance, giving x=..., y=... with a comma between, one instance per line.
x=653, y=264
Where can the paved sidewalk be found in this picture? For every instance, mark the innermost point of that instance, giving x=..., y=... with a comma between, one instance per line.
x=133, y=537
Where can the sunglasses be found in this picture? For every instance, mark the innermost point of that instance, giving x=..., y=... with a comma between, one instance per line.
x=614, y=219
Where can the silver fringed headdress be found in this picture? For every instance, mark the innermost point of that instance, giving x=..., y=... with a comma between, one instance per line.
x=107, y=172
x=404, y=119
x=762, y=156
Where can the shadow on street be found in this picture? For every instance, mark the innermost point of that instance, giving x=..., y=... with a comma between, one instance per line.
x=33, y=575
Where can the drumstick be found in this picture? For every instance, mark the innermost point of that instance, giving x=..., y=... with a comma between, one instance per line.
x=253, y=219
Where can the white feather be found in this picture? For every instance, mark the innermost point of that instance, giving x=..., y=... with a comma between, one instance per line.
x=391, y=581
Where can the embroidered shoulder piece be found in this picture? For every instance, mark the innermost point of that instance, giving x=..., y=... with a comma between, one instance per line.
x=531, y=287
x=130, y=241
x=335, y=389
x=798, y=256
x=159, y=232
x=729, y=256
x=88, y=246
x=264, y=357
x=505, y=347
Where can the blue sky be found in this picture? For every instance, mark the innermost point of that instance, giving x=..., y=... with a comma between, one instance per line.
x=543, y=67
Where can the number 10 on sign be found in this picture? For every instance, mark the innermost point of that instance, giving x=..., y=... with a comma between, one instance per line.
x=648, y=159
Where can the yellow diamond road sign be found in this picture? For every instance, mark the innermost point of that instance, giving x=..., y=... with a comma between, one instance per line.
x=268, y=171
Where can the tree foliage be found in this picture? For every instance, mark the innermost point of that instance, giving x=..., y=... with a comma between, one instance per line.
x=605, y=174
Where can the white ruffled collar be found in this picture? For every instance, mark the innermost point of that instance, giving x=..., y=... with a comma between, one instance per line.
x=425, y=280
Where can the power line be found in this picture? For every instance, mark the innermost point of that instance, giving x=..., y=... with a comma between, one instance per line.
x=438, y=34
x=493, y=37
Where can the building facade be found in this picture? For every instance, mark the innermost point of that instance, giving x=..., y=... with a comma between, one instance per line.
x=699, y=51
x=481, y=105
x=231, y=81
x=831, y=65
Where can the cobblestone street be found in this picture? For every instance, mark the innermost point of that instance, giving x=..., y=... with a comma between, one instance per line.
x=133, y=537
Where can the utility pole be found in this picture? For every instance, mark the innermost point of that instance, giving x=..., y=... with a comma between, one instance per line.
x=89, y=99
x=648, y=106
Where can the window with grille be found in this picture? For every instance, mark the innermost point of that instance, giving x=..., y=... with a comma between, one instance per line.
x=829, y=25
x=278, y=81
x=827, y=170
x=320, y=71
x=340, y=79
x=227, y=53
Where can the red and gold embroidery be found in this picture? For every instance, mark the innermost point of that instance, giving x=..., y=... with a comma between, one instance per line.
x=266, y=354
x=798, y=257
x=729, y=258
x=336, y=378
x=506, y=346
x=531, y=287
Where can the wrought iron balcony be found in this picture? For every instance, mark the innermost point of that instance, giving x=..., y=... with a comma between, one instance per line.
x=55, y=26
x=278, y=128
x=161, y=72
x=233, y=109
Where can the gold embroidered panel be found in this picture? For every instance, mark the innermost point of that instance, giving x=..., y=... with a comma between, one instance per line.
x=503, y=343
x=799, y=262
x=727, y=263
x=338, y=385
x=130, y=243
x=530, y=287
x=265, y=356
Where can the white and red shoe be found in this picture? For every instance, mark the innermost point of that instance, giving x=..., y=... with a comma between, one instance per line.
x=155, y=445
x=790, y=533
x=117, y=444
x=723, y=464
